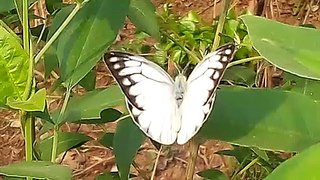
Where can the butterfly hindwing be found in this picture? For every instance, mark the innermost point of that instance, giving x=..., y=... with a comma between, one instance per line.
x=149, y=92
x=200, y=91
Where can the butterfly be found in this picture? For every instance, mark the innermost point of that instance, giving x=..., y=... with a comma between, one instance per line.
x=168, y=110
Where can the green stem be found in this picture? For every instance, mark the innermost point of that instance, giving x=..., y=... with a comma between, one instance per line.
x=58, y=32
x=248, y=165
x=220, y=26
x=244, y=61
x=28, y=135
x=26, y=118
x=56, y=127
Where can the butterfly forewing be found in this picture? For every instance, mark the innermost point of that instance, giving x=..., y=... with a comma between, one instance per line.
x=201, y=89
x=150, y=95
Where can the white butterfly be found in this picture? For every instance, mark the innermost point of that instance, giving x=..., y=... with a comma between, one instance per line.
x=167, y=110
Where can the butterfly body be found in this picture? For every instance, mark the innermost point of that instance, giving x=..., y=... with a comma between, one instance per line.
x=167, y=110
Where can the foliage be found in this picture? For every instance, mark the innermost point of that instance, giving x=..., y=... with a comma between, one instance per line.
x=259, y=122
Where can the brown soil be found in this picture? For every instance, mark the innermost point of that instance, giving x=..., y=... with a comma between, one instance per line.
x=92, y=159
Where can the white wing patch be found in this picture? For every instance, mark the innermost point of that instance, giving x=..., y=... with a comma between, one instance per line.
x=164, y=112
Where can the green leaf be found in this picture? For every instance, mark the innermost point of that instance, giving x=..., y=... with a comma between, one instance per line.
x=107, y=115
x=142, y=14
x=304, y=86
x=264, y=118
x=14, y=65
x=66, y=141
x=37, y=169
x=90, y=105
x=107, y=140
x=7, y=5
x=50, y=56
x=108, y=176
x=261, y=153
x=87, y=36
x=240, y=153
x=89, y=81
x=301, y=166
x=240, y=75
x=291, y=48
x=126, y=142
x=213, y=174
x=36, y=102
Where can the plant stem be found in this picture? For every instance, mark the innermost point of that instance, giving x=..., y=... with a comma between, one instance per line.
x=244, y=60
x=58, y=32
x=194, y=147
x=28, y=134
x=248, y=165
x=220, y=26
x=56, y=127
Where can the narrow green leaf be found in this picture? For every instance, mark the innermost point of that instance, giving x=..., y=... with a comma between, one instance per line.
x=66, y=141
x=14, y=64
x=37, y=169
x=297, y=52
x=264, y=118
x=302, y=166
x=126, y=142
x=87, y=36
x=36, y=102
x=213, y=174
x=261, y=153
x=90, y=105
x=142, y=14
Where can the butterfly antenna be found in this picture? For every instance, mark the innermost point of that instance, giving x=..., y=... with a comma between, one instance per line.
x=186, y=68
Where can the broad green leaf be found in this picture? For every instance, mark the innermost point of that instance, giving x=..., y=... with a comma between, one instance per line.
x=126, y=142
x=90, y=105
x=142, y=14
x=66, y=141
x=14, y=65
x=107, y=140
x=36, y=102
x=292, y=48
x=264, y=118
x=213, y=174
x=87, y=36
x=304, y=86
x=302, y=166
x=37, y=169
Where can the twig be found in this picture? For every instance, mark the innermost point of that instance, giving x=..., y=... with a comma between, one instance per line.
x=108, y=160
x=194, y=147
x=156, y=163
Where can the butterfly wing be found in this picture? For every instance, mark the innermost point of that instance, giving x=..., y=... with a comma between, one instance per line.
x=201, y=89
x=149, y=91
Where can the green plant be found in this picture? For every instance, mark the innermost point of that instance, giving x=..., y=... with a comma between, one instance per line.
x=259, y=122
